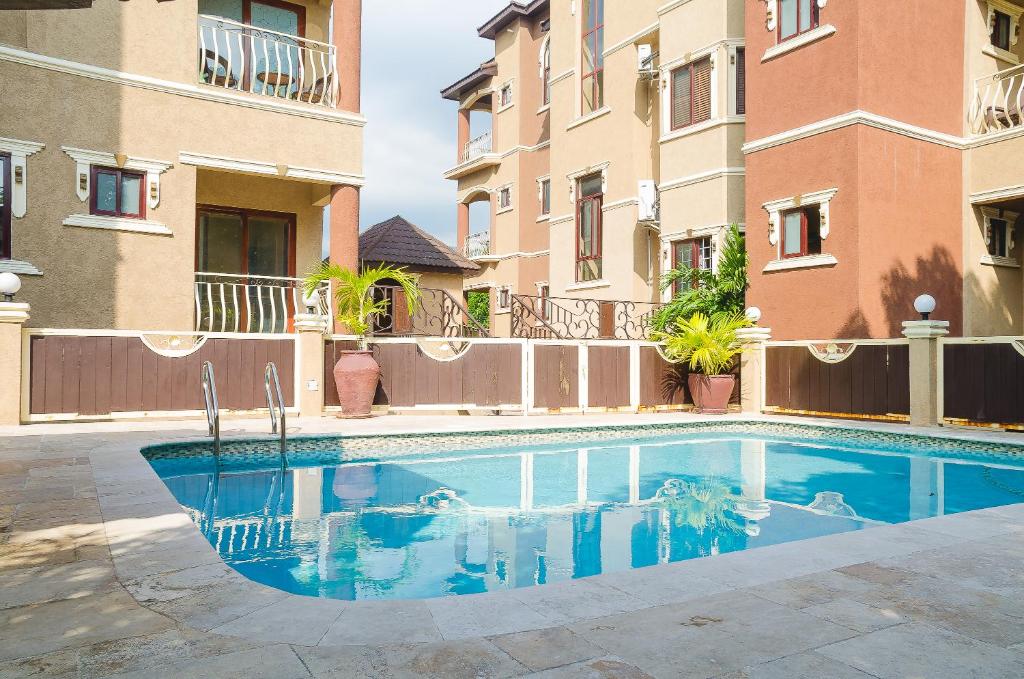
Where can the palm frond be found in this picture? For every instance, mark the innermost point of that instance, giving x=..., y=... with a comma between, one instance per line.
x=353, y=292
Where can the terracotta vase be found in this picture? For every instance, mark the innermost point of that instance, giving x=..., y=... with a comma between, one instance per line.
x=356, y=374
x=711, y=393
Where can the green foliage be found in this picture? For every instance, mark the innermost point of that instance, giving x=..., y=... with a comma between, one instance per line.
x=703, y=291
x=707, y=343
x=354, y=292
x=702, y=506
x=479, y=304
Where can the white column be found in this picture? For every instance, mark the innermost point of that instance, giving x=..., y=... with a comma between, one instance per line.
x=752, y=364
x=924, y=368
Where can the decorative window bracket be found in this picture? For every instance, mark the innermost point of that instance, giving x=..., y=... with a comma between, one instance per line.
x=85, y=159
x=19, y=151
x=574, y=178
x=823, y=199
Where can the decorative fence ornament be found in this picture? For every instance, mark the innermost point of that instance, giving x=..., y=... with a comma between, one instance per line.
x=442, y=350
x=173, y=346
x=832, y=352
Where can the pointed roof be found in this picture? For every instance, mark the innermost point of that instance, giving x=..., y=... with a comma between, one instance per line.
x=397, y=241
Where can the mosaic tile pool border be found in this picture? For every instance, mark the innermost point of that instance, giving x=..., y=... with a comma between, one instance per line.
x=363, y=447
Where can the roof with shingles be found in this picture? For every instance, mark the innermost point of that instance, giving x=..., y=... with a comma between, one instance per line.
x=398, y=241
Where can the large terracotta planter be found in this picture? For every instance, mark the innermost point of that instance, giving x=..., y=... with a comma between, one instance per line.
x=356, y=375
x=711, y=393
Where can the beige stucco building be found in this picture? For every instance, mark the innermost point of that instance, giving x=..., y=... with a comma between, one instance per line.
x=615, y=148
x=166, y=165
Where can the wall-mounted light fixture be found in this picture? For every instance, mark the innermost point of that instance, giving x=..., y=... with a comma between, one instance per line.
x=19, y=174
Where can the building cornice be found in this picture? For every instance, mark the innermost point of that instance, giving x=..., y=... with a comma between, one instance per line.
x=701, y=177
x=996, y=195
x=17, y=56
x=258, y=167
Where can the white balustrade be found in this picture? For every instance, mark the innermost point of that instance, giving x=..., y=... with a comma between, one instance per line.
x=252, y=304
x=245, y=58
x=998, y=101
x=477, y=147
x=478, y=244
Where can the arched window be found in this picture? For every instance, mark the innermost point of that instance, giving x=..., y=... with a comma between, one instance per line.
x=545, y=70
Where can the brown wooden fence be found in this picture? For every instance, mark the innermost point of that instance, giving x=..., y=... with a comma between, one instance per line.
x=95, y=376
x=983, y=383
x=556, y=376
x=872, y=382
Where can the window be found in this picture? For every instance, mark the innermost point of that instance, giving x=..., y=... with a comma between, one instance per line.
x=545, y=71
x=801, y=232
x=504, y=297
x=5, y=206
x=691, y=94
x=118, y=193
x=592, y=70
x=505, y=198
x=588, y=228
x=505, y=97
x=796, y=17
x=544, y=293
x=741, y=81
x=545, y=197
x=244, y=242
x=1001, y=27
x=999, y=231
x=694, y=253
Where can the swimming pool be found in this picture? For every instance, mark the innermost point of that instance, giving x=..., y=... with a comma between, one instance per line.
x=408, y=517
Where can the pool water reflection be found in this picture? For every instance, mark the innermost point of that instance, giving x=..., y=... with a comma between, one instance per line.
x=476, y=522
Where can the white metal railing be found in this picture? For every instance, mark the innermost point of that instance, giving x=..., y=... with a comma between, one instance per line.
x=998, y=101
x=478, y=244
x=477, y=147
x=246, y=58
x=252, y=304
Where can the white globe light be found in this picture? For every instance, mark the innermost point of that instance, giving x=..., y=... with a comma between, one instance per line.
x=311, y=301
x=925, y=304
x=9, y=284
x=753, y=314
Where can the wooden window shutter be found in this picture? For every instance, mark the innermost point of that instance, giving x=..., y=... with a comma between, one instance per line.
x=741, y=81
x=681, y=97
x=702, y=90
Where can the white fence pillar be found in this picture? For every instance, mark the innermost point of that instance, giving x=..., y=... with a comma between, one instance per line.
x=752, y=364
x=924, y=370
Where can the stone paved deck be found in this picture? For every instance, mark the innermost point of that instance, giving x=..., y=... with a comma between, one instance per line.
x=101, y=575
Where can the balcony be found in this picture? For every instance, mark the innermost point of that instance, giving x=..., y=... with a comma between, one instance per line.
x=998, y=102
x=476, y=155
x=246, y=58
x=477, y=147
x=478, y=245
x=252, y=304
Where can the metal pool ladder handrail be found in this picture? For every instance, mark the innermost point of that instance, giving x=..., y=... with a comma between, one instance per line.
x=212, y=406
x=276, y=419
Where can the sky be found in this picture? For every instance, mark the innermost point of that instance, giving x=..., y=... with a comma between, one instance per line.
x=411, y=50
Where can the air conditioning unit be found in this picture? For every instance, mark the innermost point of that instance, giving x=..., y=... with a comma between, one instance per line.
x=645, y=62
x=647, y=193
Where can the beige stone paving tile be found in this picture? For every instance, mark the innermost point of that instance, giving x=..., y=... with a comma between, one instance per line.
x=204, y=608
x=39, y=584
x=919, y=650
x=607, y=667
x=345, y=662
x=464, y=658
x=547, y=648
x=136, y=564
x=170, y=585
x=664, y=584
x=974, y=525
x=574, y=600
x=43, y=628
x=292, y=620
x=383, y=622
x=482, y=615
x=808, y=590
x=855, y=615
x=799, y=666
x=270, y=662
x=56, y=665
x=17, y=555
x=994, y=564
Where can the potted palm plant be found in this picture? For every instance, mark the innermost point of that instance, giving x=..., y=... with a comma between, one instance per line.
x=709, y=345
x=356, y=373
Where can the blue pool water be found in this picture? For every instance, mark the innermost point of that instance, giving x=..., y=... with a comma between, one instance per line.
x=446, y=524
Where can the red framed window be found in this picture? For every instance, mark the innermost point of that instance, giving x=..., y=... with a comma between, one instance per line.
x=741, y=81
x=694, y=253
x=117, y=193
x=245, y=242
x=796, y=17
x=801, y=232
x=5, y=206
x=545, y=72
x=1001, y=31
x=691, y=94
x=592, y=80
x=588, y=228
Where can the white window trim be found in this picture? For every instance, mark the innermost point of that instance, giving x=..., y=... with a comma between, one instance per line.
x=668, y=241
x=775, y=208
x=666, y=93
x=85, y=159
x=19, y=267
x=808, y=262
x=498, y=309
x=577, y=175
x=603, y=111
x=545, y=45
x=814, y=35
x=511, y=199
x=1000, y=54
x=1014, y=12
x=988, y=214
x=588, y=285
x=540, y=196
x=511, y=96
x=771, y=22
x=1005, y=262
x=733, y=68
x=118, y=224
x=19, y=150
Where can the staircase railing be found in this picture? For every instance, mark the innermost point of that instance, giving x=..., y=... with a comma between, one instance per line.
x=212, y=406
x=275, y=403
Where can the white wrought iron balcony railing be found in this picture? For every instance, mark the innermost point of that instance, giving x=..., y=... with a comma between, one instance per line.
x=246, y=58
x=998, y=101
x=478, y=244
x=253, y=304
x=477, y=147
